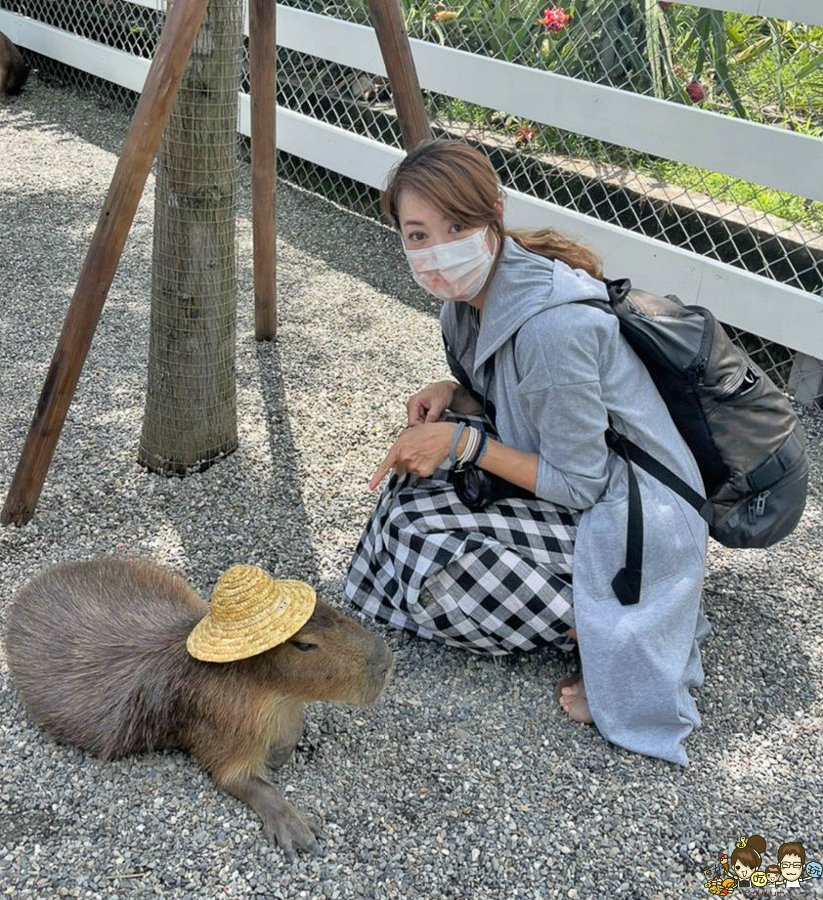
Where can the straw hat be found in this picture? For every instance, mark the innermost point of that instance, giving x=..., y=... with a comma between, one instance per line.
x=250, y=612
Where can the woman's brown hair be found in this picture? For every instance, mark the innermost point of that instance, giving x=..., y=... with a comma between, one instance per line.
x=462, y=185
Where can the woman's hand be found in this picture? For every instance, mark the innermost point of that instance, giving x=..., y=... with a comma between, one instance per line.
x=429, y=404
x=419, y=450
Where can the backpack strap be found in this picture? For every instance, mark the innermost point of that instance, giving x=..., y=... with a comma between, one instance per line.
x=775, y=466
x=458, y=372
x=627, y=583
x=462, y=377
x=662, y=473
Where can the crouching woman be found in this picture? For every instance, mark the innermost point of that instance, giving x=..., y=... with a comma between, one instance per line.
x=543, y=377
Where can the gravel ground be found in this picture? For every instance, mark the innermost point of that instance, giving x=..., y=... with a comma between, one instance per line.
x=465, y=780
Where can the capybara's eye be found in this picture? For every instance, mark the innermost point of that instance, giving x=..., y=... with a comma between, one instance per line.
x=303, y=646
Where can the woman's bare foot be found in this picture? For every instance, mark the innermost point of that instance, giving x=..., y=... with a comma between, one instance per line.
x=571, y=694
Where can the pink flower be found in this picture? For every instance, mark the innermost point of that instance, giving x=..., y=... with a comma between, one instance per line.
x=696, y=92
x=554, y=19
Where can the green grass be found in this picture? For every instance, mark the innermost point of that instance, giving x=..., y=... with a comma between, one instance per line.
x=808, y=214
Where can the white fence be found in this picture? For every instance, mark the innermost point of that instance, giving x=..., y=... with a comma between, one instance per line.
x=763, y=154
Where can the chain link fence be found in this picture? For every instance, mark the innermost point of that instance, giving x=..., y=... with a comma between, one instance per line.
x=764, y=70
x=132, y=29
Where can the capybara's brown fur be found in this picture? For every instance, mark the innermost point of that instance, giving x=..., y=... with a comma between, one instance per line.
x=97, y=650
x=13, y=69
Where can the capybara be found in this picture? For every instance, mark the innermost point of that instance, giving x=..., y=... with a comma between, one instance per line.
x=13, y=69
x=98, y=652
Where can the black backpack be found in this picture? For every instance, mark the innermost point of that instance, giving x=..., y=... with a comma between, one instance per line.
x=742, y=430
x=747, y=441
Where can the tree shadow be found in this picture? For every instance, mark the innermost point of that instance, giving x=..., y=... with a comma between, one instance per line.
x=349, y=243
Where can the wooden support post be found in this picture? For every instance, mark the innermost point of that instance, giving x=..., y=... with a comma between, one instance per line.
x=397, y=56
x=263, y=86
x=139, y=150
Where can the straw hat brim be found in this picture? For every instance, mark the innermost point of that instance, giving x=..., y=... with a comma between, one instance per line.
x=247, y=621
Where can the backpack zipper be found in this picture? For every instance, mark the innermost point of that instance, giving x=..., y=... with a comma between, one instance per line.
x=757, y=506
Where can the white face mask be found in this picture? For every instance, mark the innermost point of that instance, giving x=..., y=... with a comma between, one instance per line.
x=456, y=270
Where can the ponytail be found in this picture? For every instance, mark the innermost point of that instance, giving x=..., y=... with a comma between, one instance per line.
x=551, y=244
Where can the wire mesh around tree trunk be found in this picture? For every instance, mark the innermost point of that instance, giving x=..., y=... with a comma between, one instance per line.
x=190, y=419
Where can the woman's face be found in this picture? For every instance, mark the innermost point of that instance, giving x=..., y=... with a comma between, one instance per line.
x=423, y=226
x=742, y=870
x=448, y=259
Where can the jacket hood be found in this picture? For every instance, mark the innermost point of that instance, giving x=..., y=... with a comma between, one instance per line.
x=523, y=285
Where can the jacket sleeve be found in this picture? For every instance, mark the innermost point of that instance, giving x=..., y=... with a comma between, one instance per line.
x=559, y=373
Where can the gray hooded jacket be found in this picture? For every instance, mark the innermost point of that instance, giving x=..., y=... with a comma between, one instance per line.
x=561, y=369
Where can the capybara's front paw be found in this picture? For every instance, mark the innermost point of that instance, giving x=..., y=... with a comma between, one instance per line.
x=287, y=826
x=290, y=829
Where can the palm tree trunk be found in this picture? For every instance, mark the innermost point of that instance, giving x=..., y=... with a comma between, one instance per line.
x=190, y=419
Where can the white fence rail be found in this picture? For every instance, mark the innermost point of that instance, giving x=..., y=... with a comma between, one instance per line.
x=762, y=154
x=781, y=159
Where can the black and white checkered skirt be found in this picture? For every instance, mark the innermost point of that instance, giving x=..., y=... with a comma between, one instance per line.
x=491, y=581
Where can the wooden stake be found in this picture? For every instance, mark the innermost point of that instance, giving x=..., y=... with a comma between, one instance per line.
x=397, y=56
x=263, y=86
x=139, y=149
